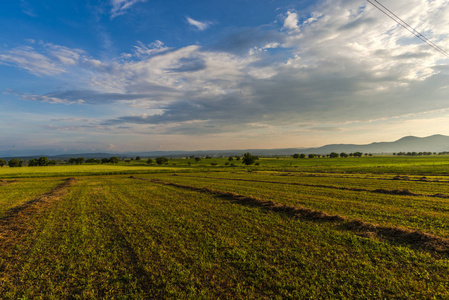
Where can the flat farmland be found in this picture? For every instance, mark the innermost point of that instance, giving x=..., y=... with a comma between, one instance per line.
x=209, y=233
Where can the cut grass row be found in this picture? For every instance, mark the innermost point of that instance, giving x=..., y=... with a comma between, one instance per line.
x=118, y=238
x=418, y=185
x=14, y=193
x=415, y=213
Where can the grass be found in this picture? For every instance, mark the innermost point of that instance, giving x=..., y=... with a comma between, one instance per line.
x=81, y=170
x=17, y=192
x=109, y=236
x=121, y=238
x=417, y=213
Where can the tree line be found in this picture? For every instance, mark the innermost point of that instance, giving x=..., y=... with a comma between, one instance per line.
x=331, y=155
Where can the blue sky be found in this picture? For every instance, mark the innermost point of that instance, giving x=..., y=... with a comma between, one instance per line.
x=142, y=75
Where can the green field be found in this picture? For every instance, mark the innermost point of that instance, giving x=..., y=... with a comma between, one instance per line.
x=357, y=228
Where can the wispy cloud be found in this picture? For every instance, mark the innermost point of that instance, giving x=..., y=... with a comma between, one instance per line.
x=201, y=26
x=42, y=58
x=27, y=8
x=119, y=7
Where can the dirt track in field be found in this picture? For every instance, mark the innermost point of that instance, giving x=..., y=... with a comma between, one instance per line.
x=15, y=225
x=5, y=182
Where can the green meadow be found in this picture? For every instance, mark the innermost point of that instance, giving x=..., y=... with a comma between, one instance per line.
x=345, y=228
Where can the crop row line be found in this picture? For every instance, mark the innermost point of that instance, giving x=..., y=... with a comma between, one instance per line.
x=15, y=223
x=403, y=192
x=5, y=182
x=417, y=239
x=423, y=178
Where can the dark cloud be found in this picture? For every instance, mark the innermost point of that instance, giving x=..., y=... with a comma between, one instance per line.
x=90, y=97
x=358, y=23
x=190, y=64
x=288, y=99
x=241, y=41
x=410, y=55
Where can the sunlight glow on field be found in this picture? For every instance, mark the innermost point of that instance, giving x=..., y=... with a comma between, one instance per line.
x=77, y=170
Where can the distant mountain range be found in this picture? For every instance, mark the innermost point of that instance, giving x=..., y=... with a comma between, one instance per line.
x=434, y=143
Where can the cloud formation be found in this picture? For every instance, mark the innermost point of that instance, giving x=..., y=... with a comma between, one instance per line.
x=342, y=64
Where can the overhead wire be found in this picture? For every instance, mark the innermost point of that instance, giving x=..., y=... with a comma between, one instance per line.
x=409, y=28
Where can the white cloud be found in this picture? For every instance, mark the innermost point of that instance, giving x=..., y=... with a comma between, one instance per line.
x=291, y=21
x=43, y=58
x=119, y=7
x=201, y=26
x=141, y=50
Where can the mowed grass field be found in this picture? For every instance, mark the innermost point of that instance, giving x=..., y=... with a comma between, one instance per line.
x=329, y=228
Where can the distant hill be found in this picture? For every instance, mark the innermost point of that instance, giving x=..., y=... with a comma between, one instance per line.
x=434, y=143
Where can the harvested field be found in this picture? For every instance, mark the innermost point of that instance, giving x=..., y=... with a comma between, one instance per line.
x=227, y=234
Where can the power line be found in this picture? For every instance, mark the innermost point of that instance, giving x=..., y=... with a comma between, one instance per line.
x=404, y=24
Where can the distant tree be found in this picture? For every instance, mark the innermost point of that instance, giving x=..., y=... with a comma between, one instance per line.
x=343, y=154
x=302, y=155
x=296, y=156
x=93, y=161
x=80, y=160
x=334, y=155
x=2, y=163
x=161, y=160
x=33, y=163
x=150, y=161
x=72, y=160
x=249, y=159
x=208, y=157
x=42, y=161
x=137, y=158
x=311, y=155
x=358, y=154
x=114, y=160
x=52, y=162
x=14, y=163
x=197, y=159
x=237, y=157
x=231, y=158
x=105, y=160
x=213, y=164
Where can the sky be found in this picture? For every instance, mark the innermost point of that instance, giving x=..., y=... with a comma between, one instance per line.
x=145, y=75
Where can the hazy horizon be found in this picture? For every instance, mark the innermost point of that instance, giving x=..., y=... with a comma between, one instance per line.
x=139, y=75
